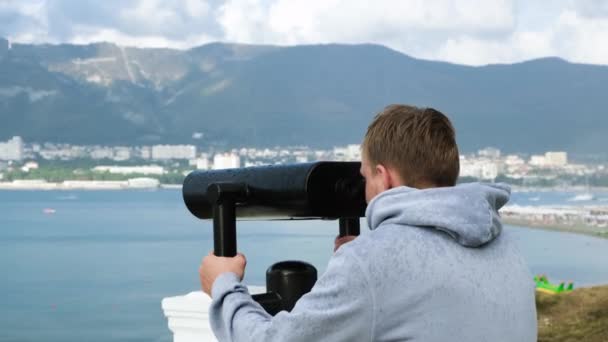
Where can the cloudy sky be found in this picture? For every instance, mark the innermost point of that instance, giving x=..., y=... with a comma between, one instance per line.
x=474, y=32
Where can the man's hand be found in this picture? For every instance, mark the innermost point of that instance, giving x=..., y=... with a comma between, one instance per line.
x=212, y=266
x=340, y=240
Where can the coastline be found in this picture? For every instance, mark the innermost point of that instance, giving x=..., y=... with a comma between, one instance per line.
x=562, y=228
x=586, y=220
x=145, y=182
x=573, y=188
x=129, y=184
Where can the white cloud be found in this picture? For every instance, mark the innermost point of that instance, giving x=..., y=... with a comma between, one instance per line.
x=196, y=8
x=34, y=9
x=462, y=31
x=311, y=21
x=88, y=35
x=244, y=21
x=581, y=39
x=476, y=51
x=592, y=8
x=570, y=35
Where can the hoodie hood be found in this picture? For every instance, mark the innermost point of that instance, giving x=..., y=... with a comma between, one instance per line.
x=466, y=212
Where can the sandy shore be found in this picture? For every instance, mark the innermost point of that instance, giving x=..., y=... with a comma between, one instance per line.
x=589, y=220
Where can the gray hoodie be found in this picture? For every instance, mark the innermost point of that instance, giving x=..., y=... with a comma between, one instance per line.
x=435, y=267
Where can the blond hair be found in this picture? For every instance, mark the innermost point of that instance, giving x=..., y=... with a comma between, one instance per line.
x=420, y=143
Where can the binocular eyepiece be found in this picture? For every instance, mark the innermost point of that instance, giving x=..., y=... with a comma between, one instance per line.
x=321, y=190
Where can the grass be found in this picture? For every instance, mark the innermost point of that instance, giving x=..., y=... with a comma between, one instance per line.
x=580, y=315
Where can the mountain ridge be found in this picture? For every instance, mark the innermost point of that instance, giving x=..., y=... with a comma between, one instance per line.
x=265, y=95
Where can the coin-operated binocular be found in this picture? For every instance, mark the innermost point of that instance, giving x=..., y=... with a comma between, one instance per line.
x=321, y=190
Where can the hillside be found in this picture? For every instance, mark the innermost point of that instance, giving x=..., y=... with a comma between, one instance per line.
x=318, y=95
x=581, y=315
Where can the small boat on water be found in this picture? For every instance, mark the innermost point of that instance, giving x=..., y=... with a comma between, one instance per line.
x=587, y=196
x=69, y=197
x=49, y=211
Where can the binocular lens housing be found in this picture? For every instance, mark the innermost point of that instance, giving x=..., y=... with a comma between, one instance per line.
x=297, y=191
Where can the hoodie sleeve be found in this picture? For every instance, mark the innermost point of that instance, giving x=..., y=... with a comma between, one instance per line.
x=340, y=307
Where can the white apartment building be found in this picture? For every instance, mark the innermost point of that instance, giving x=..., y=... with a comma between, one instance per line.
x=556, y=158
x=478, y=168
x=489, y=152
x=122, y=153
x=349, y=153
x=166, y=152
x=12, y=149
x=102, y=152
x=513, y=160
x=144, y=152
x=32, y=165
x=226, y=161
x=550, y=159
x=202, y=163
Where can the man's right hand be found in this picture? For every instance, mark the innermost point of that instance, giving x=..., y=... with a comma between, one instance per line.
x=340, y=240
x=212, y=266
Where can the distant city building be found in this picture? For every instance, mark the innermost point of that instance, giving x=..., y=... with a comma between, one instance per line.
x=144, y=152
x=63, y=151
x=489, y=171
x=489, y=152
x=202, y=163
x=549, y=160
x=125, y=170
x=122, y=153
x=167, y=152
x=348, y=153
x=102, y=152
x=537, y=160
x=556, y=158
x=514, y=160
x=478, y=168
x=226, y=161
x=29, y=166
x=12, y=149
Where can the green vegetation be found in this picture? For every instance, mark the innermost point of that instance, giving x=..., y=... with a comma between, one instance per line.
x=60, y=171
x=578, y=315
x=333, y=91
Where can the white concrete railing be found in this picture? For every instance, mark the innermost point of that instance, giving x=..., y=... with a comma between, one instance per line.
x=188, y=315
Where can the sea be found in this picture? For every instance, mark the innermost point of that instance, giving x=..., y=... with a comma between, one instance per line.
x=95, y=265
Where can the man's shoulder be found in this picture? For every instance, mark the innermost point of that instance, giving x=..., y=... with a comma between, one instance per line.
x=392, y=242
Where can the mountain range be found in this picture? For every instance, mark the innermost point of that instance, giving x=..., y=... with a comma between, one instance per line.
x=317, y=95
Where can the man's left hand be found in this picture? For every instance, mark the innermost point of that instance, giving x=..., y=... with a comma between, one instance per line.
x=340, y=240
x=212, y=266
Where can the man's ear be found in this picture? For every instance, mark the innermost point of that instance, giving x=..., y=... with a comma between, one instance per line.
x=389, y=176
x=384, y=176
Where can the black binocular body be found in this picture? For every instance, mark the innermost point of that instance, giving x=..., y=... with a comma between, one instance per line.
x=321, y=190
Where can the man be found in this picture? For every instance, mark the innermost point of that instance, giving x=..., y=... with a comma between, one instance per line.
x=435, y=267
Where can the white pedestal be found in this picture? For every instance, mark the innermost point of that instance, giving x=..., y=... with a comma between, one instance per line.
x=188, y=315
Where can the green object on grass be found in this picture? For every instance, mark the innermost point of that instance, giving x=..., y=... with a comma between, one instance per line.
x=543, y=285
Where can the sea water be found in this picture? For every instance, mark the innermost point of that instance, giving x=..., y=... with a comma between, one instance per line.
x=96, y=266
